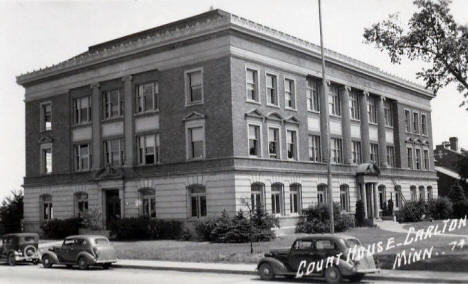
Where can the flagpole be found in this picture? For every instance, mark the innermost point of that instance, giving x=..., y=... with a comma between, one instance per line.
x=325, y=91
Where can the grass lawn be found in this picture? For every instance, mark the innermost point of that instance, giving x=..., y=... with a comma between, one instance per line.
x=425, y=224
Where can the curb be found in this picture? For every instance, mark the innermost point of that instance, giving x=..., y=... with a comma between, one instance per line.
x=248, y=272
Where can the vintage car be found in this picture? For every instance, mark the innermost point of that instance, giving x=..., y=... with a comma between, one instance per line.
x=81, y=250
x=308, y=257
x=19, y=247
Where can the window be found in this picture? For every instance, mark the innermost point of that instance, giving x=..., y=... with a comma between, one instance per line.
x=418, y=158
x=46, y=116
x=148, y=202
x=254, y=140
x=334, y=100
x=397, y=196
x=382, y=196
x=256, y=196
x=82, y=157
x=148, y=149
x=409, y=152
x=415, y=122
x=388, y=113
x=354, y=106
x=81, y=204
x=426, y=159
x=391, y=156
x=322, y=194
x=423, y=124
x=429, y=193
x=276, y=198
x=372, y=109
x=112, y=104
x=336, y=151
x=421, y=193
x=194, y=87
x=82, y=110
x=291, y=142
x=374, y=153
x=271, y=90
x=46, y=159
x=147, y=97
x=413, y=193
x=314, y=148
x=289, y=94
x=344, y=198
x=252, y=87
x=113, y=152
x=357, y=156
x=407, y=121
x=295, y=198
x=313, y=97
x=273, y=143
x=197, y=201
x=196, y=146
x=304, y=245
x=47, y=212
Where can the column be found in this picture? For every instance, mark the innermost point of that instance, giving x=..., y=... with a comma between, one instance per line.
x=325, y=137
x=122, y=202
x=346, y=125
x=365, y=144
x=364, y=198
x=128, y=121
x=376, y=203
x=381, y=133
x=96, y=126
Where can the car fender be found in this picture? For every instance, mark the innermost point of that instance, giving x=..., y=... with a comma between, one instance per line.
x=52, y=255
x=86, y=254
x=346, y=268
x=278, y=266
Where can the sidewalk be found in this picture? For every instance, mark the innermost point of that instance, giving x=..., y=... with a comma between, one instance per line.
x=389, y=275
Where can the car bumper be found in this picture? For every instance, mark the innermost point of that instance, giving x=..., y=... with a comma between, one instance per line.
x=102, y=261
x=368, y=271
x=26, y=258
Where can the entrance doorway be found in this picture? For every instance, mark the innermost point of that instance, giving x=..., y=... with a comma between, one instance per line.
x=112, y=206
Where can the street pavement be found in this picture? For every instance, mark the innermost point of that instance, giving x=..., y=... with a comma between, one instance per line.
x=31, y=274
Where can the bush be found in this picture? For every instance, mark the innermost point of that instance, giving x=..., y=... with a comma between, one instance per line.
x=412, y=211
x=61, y=228
x=456, y=193
x=440, y=208
x=141, y=228
x=166, y=229
x=317, y=220
x=460, y=209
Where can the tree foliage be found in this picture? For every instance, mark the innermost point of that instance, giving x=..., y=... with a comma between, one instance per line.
x=432, y=36
x=11, y=212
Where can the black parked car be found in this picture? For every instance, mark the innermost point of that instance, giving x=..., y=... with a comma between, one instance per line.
x=19, y=247
x=312, y=252
x=82, y=250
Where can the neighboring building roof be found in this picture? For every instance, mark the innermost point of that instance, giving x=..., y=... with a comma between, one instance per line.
x=448, y=172
x=199, y=25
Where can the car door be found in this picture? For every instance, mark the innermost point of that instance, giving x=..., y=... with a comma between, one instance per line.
x=325, y=248
x=301, y=250
x=64, y=253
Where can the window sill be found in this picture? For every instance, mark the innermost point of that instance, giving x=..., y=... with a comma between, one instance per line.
x=335, y=116
x=193, y=104
x=373, y=123
x=290, y=109
x=195, y=159
x=146, y=113
x=313, y=111
x=355, y=120
x=253, y=102
x=44, y=131
x=147, y=165
x=273, y=105
x=113, y=119
x=82, y=124
x=254, y=157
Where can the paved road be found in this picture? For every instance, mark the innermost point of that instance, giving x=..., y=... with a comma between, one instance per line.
x=29, y=274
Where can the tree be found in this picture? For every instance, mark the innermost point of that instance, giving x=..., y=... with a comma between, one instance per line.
x=432, y=36
x=457, y=193
x=11, y=212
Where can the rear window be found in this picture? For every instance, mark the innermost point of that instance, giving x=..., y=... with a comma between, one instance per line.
x=101, y=241
x=29, y=239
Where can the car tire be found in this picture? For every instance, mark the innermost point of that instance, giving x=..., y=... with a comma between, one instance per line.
x=333, y=275
x=356, y=278
x=46, y=261
x=83, y=263
x=11, y=259
x=266, y=271
x=107, y=265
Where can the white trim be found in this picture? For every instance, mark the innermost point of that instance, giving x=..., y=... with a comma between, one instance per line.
x=187, y=87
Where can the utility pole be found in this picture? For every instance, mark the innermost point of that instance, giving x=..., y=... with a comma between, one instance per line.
x=328, y=154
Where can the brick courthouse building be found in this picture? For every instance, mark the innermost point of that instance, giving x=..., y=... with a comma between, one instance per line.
x=200, y=115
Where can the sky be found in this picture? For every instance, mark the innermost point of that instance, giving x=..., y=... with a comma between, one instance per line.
x=35, y=34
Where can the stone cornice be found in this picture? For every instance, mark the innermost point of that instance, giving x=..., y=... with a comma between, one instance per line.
x=205, y=24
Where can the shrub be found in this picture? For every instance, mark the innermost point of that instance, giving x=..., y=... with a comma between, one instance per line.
x=165, y=229
x=141, y=228
x=390, y=207
x=456, y=193
x=360, y=213
x=440, y=208
x=412, y=211
x=317, y=220
x=460, y=209
x=204, y=228
x=61, y=228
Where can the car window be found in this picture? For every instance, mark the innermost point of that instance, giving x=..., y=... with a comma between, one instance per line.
x=325, y=244
x=69, y=242
x=29, y=239
x=80, y=242
x=101, y=241
x=304, y=245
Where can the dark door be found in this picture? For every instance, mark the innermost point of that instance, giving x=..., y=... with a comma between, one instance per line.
x=302, y=250
x=112, y=206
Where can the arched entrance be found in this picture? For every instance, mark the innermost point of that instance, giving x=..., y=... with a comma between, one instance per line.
x=366, y=178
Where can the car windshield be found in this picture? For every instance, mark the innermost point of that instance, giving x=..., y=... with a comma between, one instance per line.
x=101, y=241
x=350, y=243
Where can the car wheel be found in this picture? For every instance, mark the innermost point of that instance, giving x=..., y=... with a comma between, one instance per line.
x=83, y=263
x=11, y=259
x=46, y=261
x=356, y=277
x=333, y=275
x=266, y=271
x=106, y=265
